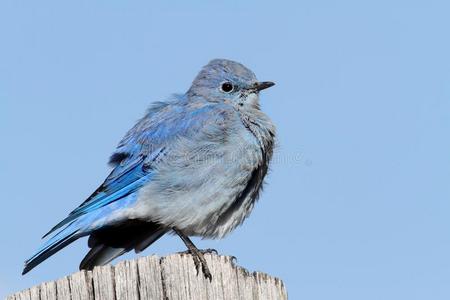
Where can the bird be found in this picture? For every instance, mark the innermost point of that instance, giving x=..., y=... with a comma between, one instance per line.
x=194, y=165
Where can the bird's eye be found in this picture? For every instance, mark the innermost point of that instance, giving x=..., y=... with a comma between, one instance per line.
x=227, y=87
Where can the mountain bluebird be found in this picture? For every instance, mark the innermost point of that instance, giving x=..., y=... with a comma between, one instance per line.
x=192, y=166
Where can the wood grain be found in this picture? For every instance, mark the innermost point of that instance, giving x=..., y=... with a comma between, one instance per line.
x=168, y=278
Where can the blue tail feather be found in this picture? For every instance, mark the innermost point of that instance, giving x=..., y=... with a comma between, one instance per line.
x=81, y=226
x=101, y=199
x=53, y=245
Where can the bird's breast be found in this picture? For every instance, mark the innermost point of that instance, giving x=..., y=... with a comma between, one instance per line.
x=211, y=188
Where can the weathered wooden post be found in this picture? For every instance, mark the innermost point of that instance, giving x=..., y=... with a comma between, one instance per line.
x=166, y=278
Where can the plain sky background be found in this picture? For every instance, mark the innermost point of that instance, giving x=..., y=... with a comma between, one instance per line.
x=356, y=205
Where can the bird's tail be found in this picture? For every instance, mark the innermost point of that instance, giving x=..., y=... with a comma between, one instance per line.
x=83, y=225
x=61, y=239
x=77, y=228
x=111, y=242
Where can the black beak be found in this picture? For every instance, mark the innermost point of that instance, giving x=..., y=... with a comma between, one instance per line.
x=259, y=86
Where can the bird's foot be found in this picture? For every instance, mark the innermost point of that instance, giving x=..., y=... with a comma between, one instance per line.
x=197, y=255
x=203, y=251
x=209, y=251
x=200, y=261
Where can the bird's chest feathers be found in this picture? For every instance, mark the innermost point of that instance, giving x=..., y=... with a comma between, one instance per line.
x=260, y=126
x=214, y=184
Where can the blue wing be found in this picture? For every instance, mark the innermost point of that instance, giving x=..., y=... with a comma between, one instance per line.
x=134, y=160
x=141, y=149
x=124, y=180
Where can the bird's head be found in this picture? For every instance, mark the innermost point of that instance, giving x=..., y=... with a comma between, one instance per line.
x=227, y=81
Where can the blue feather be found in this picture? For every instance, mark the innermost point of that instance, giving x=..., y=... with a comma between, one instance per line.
x=123, y=181
x=75, y=229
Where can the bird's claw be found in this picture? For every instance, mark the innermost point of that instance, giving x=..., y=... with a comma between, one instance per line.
x=196, y=263
x=198, y=259
x=202, y=251
x=209, y=251
x=206, y=272
x=197, y=255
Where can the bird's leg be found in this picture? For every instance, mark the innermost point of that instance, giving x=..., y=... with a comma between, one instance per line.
x=197, y=255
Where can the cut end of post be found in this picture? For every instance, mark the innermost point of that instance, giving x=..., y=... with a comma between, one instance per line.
x=170, y=277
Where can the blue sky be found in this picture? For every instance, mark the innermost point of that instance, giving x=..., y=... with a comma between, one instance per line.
x=357, y=201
